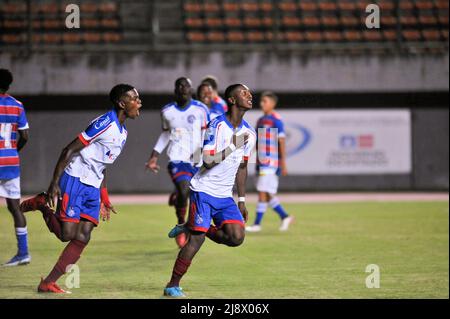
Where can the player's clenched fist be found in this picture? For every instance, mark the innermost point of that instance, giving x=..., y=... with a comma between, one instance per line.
x=152, y=165
x=54, y=194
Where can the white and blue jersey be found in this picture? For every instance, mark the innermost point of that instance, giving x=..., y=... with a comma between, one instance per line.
x=104, y=138
x=185, y=126
x=12, y=119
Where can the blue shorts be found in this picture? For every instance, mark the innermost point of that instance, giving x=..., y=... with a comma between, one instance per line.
x=204, y=207
x=78, y=200
x=181, y=171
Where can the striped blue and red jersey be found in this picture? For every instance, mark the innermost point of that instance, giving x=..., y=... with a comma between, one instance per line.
x=270, y=128
x=12, y=119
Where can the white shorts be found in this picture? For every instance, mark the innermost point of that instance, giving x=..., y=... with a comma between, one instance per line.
x=10, y=188
x=267, y=183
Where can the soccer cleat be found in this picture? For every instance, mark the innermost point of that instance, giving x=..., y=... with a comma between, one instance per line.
x=178, y=229
x=181, y=240
x=51, y=287
x=34, y=203
x=173, y=199
x=286, y=222
x=174, y=292
x=253, y=228
x=18, y=261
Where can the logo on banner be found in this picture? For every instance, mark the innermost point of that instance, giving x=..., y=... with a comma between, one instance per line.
x=298, y=138
x=357, y=141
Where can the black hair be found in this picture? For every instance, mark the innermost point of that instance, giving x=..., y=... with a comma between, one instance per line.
x=6, y=78
x=200, y=86
x=271, y=95
x=229, y=91
x=211, y=81
x=183, y=78
x=117, y=92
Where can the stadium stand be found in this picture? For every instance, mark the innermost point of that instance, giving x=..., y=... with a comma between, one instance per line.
x=418, y=24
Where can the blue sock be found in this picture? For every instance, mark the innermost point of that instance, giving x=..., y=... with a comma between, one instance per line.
x=22, y=240
x=275, y=204
x=260, y=210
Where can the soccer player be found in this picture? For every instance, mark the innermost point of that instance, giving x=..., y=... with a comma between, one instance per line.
x=218, y=104
x=271, y=162
x=183, y=125
x=227, y=147
x=205, y=95
x=79, y=183
x=13, y=137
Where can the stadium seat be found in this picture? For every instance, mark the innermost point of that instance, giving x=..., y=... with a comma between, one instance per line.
x=289, y=21
x=390, y=35
x=349, y=21
x=210, y=7
x=213, y=22
x=442, y=4
x=71, y=38
x=431, y=35
x=386, y=5
x=408, y=20
x=233, y=22
x=307, y=5
x=424, y=4
x=406, y=5
x=89, y=23
x=51, y=24
x=372, y=35
x=196, y=36
x=108, y=7
x=428, y=20
x=192, y=7
x=411, y=35
x=313, y=36
x=90, y=37
x=230, y=7
x=13, y=38
x=235, y=36
x=266, y=7
x=293, y=36
x=252, y=22
x=333, y=36
x=89, y=7
x=267, y=21
x=249, y=6
x=14, y=24
x=51, y=38
x=215, y=36
x=327, y=6
x=110, y=37
x=255, y=36
x=345, y=5
x=109, y=23
x=311, y=21
x=388, y=20
x=444, y=34
x=352, y=35
x=329, y=21
x=288, y=6
x=193, y=22
x=10, y=9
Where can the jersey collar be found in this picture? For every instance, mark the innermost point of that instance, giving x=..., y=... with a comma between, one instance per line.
x=183, y=109
x=231, y=125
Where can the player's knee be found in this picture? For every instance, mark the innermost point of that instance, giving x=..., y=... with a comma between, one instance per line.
x=83, y=237
x=68, y=234
x=237, y=239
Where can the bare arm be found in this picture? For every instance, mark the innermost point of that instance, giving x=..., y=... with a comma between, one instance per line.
x=66, y=155
x=160, y=145
x=241, y=179
x=106, y=207
x=23, y=139
x=282, y=152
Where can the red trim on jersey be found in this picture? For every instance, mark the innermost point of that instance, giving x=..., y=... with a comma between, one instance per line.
x=83, y=140
x=10, y=110
x=8, y=161
x=246, y=158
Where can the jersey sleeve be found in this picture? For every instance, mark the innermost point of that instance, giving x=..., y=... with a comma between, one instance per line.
x=280, y=126
x=210, y=139
x=95, y=130
x=164, y=122
x=22, y=122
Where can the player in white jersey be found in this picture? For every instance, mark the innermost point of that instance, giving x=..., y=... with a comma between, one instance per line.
x=183, y=125
x=205, y=95
x=228, y=143
x=79, y=185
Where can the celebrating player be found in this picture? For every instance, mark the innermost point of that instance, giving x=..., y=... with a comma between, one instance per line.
x=228, y=143
x=205, y=95
x=183, y=125
x=79, y=185
x=271, y=162
x=217, y=104
x=13, y=137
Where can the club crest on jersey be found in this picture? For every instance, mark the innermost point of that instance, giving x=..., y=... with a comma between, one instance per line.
x=191, y=118
x=70, y=212
x=110, y=155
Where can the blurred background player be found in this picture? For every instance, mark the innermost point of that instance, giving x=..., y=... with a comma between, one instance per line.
x=218, y=104
x=13, y=137
x=271, y=162
x=79, y=182
x=227, y=147
x=183, y=125
x=205, y=95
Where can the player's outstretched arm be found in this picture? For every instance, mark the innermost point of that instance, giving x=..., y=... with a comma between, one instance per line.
x=105, y=207
x=241, y=179
x=211, y=158
x=23, y=139
x=282, y=150
x=66, y=155
x=161, y=144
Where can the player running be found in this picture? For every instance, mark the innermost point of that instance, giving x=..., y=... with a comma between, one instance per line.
x=13, y=137
x=218, y=104
x=79, y=183
x=183, y=125
x=271, y=162
x=205, y=95
x=228, y=143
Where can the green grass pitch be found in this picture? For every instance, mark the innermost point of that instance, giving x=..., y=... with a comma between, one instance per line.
x=323, y=255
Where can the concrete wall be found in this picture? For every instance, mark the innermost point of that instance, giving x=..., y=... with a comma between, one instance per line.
x=51, y=131
x=71, y=73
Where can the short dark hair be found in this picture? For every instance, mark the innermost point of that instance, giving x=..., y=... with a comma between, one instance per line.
x=271, y=95
x=229, y=91
x=6, y=78
x=118, y=91
x=200, y=87
x=211, y=80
